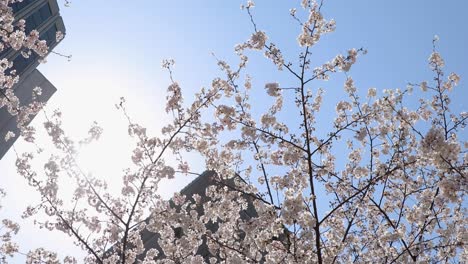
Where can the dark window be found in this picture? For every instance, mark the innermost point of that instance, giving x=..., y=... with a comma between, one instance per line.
x=20, y=63
x=38, y=17
x=50, y=35
x=4, y=51
x=45, y=12
x=18, y=6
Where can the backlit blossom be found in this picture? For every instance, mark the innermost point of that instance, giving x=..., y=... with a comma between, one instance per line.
x=436, y=60
x=454, y=78
x=272, y=89
x=423, y=86
x=372, y=92
x=9, y=135
x=258, y=40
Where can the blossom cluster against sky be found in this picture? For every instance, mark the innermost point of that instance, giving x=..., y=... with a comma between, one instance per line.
x=117, y=49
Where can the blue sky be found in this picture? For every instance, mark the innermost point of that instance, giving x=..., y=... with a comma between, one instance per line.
x=117, y=48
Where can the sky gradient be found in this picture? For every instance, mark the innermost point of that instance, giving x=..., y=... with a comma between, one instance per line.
x=118, y=47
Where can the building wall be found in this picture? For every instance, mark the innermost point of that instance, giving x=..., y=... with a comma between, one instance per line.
x=43, y=16
x=24, y=92
x=199, y=186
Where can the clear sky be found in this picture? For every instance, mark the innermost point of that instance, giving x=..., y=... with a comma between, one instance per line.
x=117, y=48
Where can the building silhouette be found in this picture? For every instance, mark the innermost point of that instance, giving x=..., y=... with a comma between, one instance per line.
x=43, y=16
x=199, y=186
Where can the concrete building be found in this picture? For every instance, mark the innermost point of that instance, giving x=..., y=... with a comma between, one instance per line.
x=44, y=16
x=198, y=186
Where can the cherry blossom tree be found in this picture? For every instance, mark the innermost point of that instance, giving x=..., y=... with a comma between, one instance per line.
x=13, y=36
x=393, y=174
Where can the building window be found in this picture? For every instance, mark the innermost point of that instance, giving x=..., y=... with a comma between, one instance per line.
x=37, y=18
x=50, y=35
x=18, y=6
